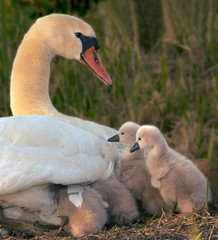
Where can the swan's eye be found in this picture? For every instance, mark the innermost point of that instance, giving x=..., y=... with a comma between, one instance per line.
x=96, y=59
x=122, y=133
x=78, y=34
x=139, y=139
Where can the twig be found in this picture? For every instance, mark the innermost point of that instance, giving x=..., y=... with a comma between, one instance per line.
x=211, y=232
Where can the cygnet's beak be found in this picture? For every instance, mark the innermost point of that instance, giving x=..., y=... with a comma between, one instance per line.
x=135, y=147
x=115, y=138
x=91, y=58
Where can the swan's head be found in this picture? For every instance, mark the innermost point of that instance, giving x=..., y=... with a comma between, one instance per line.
x=126, y=134
x=149, y=138
x=71, y=38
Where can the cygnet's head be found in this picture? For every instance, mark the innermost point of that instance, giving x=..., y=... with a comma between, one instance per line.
x=126, y=134
x=149, y=138
x=71, y=38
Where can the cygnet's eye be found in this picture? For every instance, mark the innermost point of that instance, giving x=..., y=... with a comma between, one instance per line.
x=122, y=133
x=139, y=138
x=78, y=34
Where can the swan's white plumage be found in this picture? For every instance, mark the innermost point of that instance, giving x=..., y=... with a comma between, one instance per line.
x=36, y=150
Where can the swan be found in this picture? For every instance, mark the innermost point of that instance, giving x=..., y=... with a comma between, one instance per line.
x=178, y=180
x=51, y=35
x=132, y=171
x=52, y=148
x=55, y=34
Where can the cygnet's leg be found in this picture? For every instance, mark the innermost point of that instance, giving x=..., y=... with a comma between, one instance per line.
x=122, y=206
x=89, y=218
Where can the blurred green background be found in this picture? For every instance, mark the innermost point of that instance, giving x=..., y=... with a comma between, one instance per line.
x=162, y=56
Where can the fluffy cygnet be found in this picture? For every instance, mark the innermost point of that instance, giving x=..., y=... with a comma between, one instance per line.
x=132, y=171
x=179, y=181
x=121, y=204
x=89, y=218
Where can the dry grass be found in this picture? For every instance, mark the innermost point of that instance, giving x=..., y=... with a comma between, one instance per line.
x=201, y=224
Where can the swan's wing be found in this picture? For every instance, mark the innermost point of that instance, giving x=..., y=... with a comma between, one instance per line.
x=36, y=150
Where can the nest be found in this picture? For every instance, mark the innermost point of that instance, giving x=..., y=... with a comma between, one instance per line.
x=199, y=224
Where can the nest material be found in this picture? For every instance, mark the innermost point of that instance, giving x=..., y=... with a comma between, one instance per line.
x=200, y=224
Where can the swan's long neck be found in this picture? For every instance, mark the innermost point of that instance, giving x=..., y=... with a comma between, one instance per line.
x=30, y=79
x=30, y=86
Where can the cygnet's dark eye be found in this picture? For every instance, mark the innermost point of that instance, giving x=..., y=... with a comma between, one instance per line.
x=139, y=139
x=122, y=133
x=78, y=34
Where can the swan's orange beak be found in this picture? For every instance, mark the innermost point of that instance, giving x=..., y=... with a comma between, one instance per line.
x=93, y=61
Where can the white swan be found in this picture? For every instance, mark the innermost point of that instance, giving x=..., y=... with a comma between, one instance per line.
x=37, y=150
x=55, y=34
x=178, y=180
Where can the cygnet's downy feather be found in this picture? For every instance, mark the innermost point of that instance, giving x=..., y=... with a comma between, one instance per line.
x=180, y=182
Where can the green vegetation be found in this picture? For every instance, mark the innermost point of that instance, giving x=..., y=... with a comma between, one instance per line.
x=161, y=55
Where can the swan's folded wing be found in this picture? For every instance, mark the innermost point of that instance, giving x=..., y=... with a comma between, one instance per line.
x=36, y=150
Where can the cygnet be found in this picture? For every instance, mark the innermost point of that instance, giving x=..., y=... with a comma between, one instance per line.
x=122, y=207
x=90, y=217
x=178, y=180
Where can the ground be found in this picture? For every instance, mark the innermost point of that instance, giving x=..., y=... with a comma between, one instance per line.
x=200, y=224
